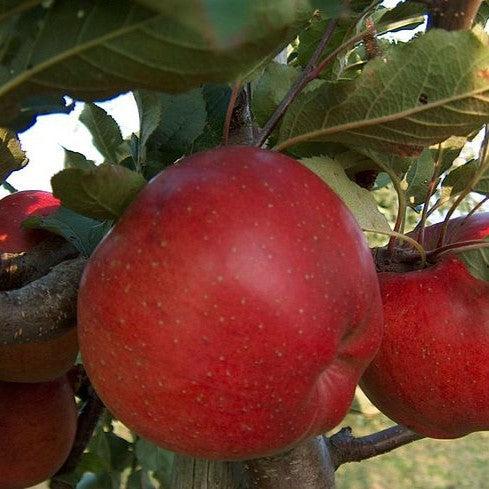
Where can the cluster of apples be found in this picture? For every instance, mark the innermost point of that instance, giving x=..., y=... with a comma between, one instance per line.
x=235, y=306
x=232, y=311
x=37, y=404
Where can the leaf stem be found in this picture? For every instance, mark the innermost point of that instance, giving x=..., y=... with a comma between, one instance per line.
x=229, y=113
x=459, y=247
x=431, y=190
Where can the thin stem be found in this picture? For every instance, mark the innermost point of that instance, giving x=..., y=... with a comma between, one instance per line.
x=297, y=87
x=229, y=113
x=477, y=207
x=431, y=190
x=483, y=168
x=459, y=247
x=9, y=188
x=420, y=249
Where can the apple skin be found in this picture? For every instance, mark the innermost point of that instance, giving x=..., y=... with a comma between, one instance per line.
x=38, y=425
x=431, y=373
x=232, y=310
x=45, y=360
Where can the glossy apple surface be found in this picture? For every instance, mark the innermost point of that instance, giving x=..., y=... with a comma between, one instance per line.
x=46, y=360
x=432, y=370
x=233, y=308
x=38, y=424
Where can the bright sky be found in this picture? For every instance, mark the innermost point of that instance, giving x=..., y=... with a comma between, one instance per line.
x=45, y=140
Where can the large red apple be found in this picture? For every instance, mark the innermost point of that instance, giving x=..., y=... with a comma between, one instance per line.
x=44, y=360
x=432, y=370
x=232, y=310
x=37, y=426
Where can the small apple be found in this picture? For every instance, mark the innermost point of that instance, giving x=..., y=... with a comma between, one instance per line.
x=38, y=425
x=44, y=360
x=431, y=373
x=233, y=308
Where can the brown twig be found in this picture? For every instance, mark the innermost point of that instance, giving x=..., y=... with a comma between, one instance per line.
x=44, y=308
x=452, y=15
x=345, y=447
x=18, y=269
x=88, y=418
x=310, y=72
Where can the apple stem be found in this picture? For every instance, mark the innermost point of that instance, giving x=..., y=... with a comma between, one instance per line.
x=483, y=168
x=229, y=113
x=310, y=72
x=415, y=244
x=431, y=190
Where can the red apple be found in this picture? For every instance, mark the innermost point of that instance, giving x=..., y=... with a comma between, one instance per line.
x=232, y=310
x=432, y=370
x=45, y=360
x=37, y=425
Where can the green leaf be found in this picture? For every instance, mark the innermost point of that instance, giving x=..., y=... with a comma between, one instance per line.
x=459, y=179
x=106, y=133
x=419, y=177
x=477, y=262
x=74, y=159
x=405, y=15
x=450, y=151
x=151, y=457
x=102, y=193
x=216, y=99
x=227, y=23
x=360, y=201
x=84, y=233
x=12, y=157
x=140, y=480
x=149, y=108
x=270, y=89
x=183, y=119
x=93, y=50
x=416, y=95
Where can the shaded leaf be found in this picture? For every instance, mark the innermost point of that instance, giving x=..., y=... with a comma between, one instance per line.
x=360, y=201
x=405, y=15
x=182, y=121
x=477, y=262
x=418, y=178
x=12, y=157
x=149, y=108
x=106, y=133
x=91, y=50
x=84, y=233
x=417, y=95
x=73, y=159
x=101, y=193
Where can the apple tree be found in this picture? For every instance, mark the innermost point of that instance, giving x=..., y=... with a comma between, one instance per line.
x=214, y=271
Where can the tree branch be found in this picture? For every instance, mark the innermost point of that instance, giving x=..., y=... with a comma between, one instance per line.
x=44, y=308
x=452, y=15
x=306, y=466
x=18, y=269
x=345, y=447
x=87, y=421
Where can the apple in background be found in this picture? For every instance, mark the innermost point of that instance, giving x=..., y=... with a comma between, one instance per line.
x=432, y=371
x=233, y=308
x=46, y=360
x=38, y=425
